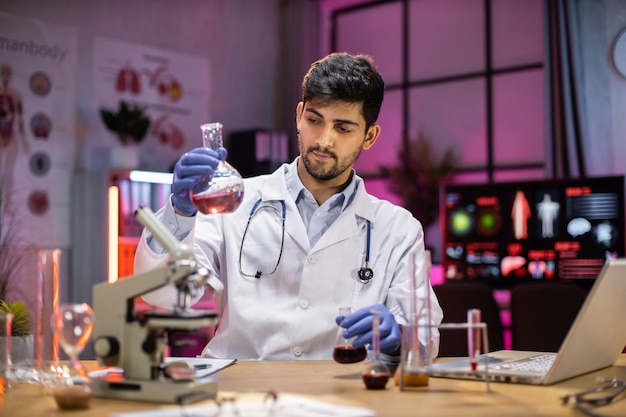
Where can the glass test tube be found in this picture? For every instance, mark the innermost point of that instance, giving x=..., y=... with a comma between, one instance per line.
x=473, y=337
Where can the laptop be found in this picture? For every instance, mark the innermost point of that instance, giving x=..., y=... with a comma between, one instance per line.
x=595, y=341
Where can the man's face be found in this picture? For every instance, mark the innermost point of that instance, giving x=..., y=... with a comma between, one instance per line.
x=331, y=138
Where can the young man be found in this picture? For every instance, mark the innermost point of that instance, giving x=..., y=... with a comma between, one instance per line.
x=307, y=239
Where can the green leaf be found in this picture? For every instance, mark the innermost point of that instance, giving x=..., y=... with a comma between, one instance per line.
x=22, y=323
x=129, y=123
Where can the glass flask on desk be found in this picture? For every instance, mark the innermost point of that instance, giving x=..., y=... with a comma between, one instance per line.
x=221, y=192
x=71, y=384
x=344, y=352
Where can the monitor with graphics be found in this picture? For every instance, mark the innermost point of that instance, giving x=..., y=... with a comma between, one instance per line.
x=503, y=233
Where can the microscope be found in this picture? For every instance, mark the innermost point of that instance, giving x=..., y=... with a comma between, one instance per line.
x=136, y=342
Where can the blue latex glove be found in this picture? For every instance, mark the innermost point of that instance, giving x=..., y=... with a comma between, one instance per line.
x=359, y=324
x=191, y=168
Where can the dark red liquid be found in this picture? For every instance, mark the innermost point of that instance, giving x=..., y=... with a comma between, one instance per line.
x=375, y=380
x=225, y=202
x=348, y=354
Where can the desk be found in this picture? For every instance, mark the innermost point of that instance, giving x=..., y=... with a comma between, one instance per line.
x=329, y=381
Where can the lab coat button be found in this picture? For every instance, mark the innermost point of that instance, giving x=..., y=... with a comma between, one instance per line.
x=312, y=259
x=304, y=303
x=297, y=351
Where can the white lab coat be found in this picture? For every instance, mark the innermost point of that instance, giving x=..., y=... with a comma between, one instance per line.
x=290, y=314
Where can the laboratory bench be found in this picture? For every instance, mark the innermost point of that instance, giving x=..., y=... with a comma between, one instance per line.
x=341, y=384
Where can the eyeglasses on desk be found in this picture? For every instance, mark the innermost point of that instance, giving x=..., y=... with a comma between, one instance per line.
x=608, y=391
x=228, y=406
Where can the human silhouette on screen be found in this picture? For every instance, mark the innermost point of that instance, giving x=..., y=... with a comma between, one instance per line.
x=548, y=211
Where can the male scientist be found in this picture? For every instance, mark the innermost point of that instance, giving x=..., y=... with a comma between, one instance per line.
x=307, y=238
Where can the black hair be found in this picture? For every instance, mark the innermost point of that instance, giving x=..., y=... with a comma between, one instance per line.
x=350, y=78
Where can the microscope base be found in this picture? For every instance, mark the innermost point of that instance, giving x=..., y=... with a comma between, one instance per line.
x=161, y=391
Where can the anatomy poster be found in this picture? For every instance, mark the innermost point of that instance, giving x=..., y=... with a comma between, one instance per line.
x=172, y=88
x=37, y=128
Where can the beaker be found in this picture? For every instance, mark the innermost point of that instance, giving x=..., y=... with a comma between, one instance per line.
x=222, y=191
x=416, y=357
x=344, y=352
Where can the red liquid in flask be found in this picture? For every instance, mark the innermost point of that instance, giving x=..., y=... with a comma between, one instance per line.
x=349, y=354
x=375, y=380
x=225, y=202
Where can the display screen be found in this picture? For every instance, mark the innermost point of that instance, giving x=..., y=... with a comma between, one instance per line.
x=504, y=233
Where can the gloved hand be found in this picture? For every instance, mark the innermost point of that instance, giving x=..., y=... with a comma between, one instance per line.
x=192, y=167
x=359, y=324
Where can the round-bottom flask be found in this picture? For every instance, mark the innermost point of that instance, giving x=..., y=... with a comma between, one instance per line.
x=222, y=191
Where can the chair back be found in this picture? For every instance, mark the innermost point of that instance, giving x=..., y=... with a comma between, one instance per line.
x=542, y=314
x=455, y=298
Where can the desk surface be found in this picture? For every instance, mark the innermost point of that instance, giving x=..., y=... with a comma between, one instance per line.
x=329, y=381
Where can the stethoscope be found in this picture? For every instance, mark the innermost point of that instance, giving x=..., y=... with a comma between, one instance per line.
x=253, y=211
x=365, y=273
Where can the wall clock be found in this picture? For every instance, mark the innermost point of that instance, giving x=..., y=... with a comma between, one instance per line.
x=619, y=53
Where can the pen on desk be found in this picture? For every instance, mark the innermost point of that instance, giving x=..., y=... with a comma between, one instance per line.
x=473, y=337
x=201, y=366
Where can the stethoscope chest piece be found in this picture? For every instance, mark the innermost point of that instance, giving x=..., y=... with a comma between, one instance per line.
x=365, y=274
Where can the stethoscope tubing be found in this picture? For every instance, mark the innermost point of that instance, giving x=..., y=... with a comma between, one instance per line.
x=365, y=273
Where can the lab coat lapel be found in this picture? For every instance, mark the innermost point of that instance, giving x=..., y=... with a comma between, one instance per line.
x=276, y=189
x=345, y=227
x=294, y=226
x=351, y=222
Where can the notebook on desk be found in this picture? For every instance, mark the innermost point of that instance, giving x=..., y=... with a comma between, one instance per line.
x=595, y=340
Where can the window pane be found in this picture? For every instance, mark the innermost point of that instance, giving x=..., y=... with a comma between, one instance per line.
x=445, y=38
x=510, y=175
x=518, y=32
x=452, y=115
x=519, y=117
x=376, y=31
x=469, y=177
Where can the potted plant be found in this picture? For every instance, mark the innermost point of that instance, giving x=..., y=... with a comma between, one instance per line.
x=11, y=259
x=419, y=176
x=130, y=124
x=21, y=330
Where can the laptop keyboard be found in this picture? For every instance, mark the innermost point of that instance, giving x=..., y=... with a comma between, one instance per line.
x=538, y=363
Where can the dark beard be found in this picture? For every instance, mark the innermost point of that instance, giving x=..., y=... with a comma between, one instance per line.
x=320, y=173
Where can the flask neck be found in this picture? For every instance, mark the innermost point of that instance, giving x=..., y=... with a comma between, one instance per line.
x=212, y=135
